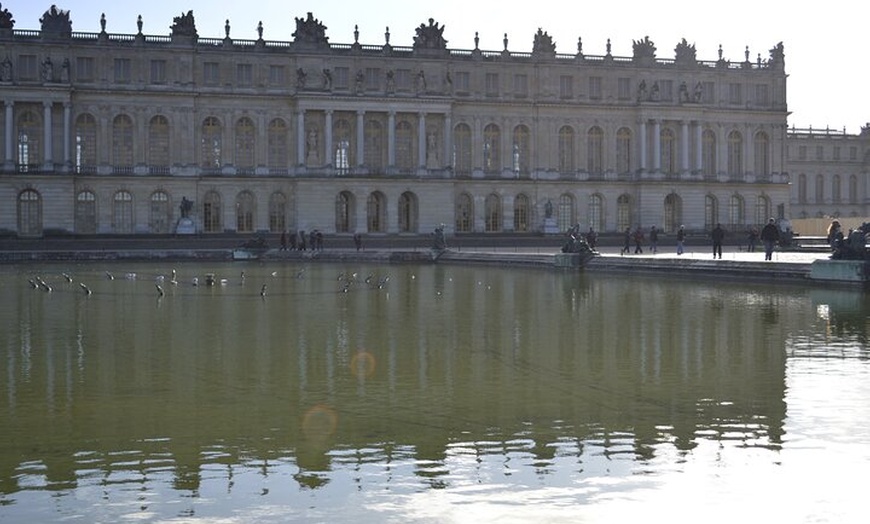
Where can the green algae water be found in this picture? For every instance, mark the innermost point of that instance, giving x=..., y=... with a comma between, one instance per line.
x=404, y=393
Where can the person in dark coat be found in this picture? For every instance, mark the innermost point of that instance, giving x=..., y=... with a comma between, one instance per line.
x=626, y=247
x=718, y=236
x=769, y=236
x=681, y=237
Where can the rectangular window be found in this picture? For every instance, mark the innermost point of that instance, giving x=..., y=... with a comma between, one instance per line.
x=342, y=77
x=123, y=70
x=820, y=153
x=595, y=87
x=463, y=84
x=403, y=79
x=623, y=88
x=802, y=152
x=708, y=93
x=762, y=95
x=276, y=75
x=521, y=86
x=244, y=75
x=853, y=153
x=492, y=84
x=373, y=78
x=836, y=152
x=735, y=93
x=211, y=74
x=667, y=90
x=85, y=69
x=158, y=71
x=566, y=87
x=27, y=67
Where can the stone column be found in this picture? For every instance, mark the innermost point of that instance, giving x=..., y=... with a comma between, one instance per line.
x=328, y=151
x=722, y=153
x=10, y=155
x=391, y=139
x=448, y=142
x=360, y=138
x=684, y=147
x=748, y=151
x=421, y=140
x=699, y=146
x=641, y=128
x=67, y=110
x=300, y=137
x=48, y=146
x=657, y=146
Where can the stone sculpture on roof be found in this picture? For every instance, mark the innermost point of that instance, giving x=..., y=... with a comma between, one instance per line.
x=56, y=21
x=184, y=25
x=685, y=53
x=543, y=44
x=430, y=37
x=6, y=20
x=777, y=55
x=644, y=50
x=310, y=31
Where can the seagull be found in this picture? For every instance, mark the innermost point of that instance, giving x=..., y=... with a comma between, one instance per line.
x=67, y=277
x=195, y=281
x=110, y=276
x=300, y=273
x=159, y=290
x=86, y=288
x=263, y=291
x=32, y=283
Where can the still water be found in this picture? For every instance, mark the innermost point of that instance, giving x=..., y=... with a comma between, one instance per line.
x=403, y=393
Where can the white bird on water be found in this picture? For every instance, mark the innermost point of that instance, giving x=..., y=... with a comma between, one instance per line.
x=85, y=288
x=263, y=291
x=159, y=290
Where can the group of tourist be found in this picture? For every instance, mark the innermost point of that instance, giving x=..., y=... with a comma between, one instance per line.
x=300, y=241
x=851, y=245
x=770, y=236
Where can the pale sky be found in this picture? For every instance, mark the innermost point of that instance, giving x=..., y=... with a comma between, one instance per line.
x=825, y=44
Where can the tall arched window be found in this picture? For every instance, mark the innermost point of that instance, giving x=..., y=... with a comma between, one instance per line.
x=595, y=151
x=853, y=189
x=86, y=213
x=762, y=154
x=736, y=211
x=342, y=158
x=624, y=217
x=159, y=216
x=86, y=143
x=669, y=151
x=211, y=212
x=711, y=212
x=376, y=212
x=29, y=129
x=405, y=146
x=492, y=213
x=708, y=152
x=521, y=150
x=277, y=142
x=820, y=189
x=344, y=212
x=491, y=149
x=122, y=143
x=802, y=188
x=762, y=209
x=567, y=163
x=464, y=213
x=623, y=151
x=277, y=212
x=735, y=154
x=212, y=143
x=462, y=149
x=158, y=144
x=595, y=212
x=29, y=213
x=522, y=213
x=245, y=212
x=835, y=189
x=245, y=145
x=122, y=212
x=407, y=212
x=375, y=145
x=673, y=212
x=566, y=215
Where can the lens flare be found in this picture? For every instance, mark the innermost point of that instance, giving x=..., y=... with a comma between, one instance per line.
x=319, y=422
x=362, y=365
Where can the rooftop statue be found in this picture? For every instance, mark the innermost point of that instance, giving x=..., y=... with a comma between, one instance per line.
x=777, y=55
x=310, y=31
x=644, y=49
x=685, y=53
x=184, y=25
x=430, y=37
x=543, y=43
x=6, y=21
x=56, y=21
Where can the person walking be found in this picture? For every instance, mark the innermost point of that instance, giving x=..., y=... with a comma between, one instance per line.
x=769, y=236
x=681, y=237
x=284, y=240
x=654, y=239
x=638, y=240
x=753, y=239
x=718, y=236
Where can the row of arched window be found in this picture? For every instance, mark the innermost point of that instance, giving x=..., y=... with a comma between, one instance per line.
x=828, y=189
x=242, y=153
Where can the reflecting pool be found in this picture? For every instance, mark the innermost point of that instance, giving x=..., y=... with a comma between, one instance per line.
x=405, y=393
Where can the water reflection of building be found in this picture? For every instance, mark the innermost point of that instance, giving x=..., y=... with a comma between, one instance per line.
x=107, y=133
x=492, y=362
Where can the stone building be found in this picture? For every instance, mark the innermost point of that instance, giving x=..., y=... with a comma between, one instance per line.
x=110, y=133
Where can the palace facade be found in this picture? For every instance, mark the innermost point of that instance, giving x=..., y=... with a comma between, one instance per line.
x=110, y=133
